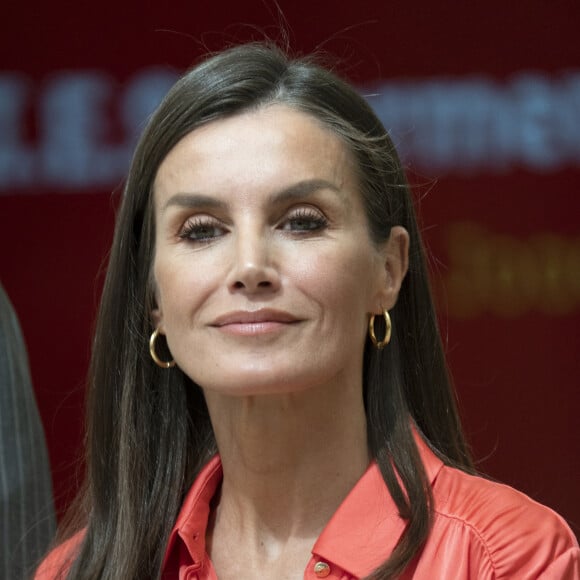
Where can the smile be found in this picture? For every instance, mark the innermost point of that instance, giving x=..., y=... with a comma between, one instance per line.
x=251, y=323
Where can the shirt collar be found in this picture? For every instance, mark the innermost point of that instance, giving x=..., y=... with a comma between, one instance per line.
x=190, y=527
x=359, y=537
x=365, y=529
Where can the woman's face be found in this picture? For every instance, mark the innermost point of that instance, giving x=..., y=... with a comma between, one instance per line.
x=264, y=271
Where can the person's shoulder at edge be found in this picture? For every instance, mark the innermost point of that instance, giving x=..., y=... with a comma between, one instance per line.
x=56, y=564
x=519, y=537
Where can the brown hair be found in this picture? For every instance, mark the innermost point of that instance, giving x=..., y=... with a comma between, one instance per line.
x=148, y=430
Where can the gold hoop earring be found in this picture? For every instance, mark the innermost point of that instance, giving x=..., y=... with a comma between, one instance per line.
x=156, y=359
x=380, y=344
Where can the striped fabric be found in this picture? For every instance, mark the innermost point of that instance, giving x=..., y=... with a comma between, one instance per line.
x=27, y=520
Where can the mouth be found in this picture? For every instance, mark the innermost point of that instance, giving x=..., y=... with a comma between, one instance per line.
x=248, y=323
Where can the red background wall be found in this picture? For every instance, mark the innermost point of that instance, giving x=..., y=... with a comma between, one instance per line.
x=505, y=236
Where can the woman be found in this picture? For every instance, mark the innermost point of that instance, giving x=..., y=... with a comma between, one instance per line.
x=269, y=396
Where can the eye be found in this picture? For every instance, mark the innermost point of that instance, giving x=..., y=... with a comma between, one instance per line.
x=202, y=229
x=305, y=220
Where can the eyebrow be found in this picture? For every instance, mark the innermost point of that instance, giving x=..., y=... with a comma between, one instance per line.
x=298, y=190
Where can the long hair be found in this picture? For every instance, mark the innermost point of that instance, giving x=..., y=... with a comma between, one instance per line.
x=148, y=429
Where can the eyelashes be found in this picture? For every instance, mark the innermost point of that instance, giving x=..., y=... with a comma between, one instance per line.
x=202, y=229
x=304, y=220
x=299, y=222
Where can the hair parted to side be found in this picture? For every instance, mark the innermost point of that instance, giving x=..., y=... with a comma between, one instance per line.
x=149, y=431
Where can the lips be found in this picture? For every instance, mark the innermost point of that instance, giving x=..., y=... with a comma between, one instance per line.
x=256, y=317
x=258, y=323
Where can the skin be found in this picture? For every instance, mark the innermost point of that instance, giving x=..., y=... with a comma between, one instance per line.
x=265, y=277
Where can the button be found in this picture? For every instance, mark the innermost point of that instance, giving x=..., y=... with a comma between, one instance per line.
x=321, y=569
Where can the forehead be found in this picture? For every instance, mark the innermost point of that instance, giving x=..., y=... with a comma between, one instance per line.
x=270, y=147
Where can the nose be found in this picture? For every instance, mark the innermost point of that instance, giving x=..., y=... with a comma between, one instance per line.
x=253, y=267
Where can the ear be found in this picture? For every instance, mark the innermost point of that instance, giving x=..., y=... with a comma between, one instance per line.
x=395, y=255
x=157, y=319
x=156, y=310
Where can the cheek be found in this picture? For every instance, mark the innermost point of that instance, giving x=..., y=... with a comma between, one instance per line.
x=180, y=288
x=342, y=280
x=162, y=283
x=190, y=292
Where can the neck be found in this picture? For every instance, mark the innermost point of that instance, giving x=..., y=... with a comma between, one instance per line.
x=288, y=460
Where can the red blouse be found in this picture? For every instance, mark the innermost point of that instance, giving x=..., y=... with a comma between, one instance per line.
x=481, y=530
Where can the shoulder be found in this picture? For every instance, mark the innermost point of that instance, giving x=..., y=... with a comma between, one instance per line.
x=513, y=535
x=59, y=560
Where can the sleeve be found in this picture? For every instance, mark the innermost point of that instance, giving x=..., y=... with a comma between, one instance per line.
x=530, y=541
x=488, y=530
x=566, y=566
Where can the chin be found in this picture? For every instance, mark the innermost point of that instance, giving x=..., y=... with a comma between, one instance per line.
x=253, y=384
